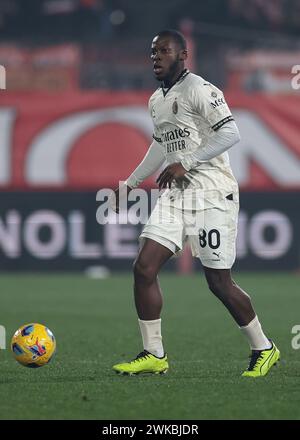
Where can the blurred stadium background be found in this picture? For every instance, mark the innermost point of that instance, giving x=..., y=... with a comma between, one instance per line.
x=73, y=120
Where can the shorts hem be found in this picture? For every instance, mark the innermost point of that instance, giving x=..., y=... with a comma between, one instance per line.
x=161, y=240
x=210, y=264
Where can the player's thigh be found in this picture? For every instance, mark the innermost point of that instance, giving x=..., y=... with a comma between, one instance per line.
x=166, y=227
x=215, y=244
x=152, y=256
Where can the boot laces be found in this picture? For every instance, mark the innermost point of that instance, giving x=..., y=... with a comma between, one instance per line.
x=141, y=355
x=255, y=356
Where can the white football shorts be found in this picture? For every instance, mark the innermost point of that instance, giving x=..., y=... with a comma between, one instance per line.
x=207, y=222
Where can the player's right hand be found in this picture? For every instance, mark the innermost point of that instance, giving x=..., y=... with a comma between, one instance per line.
x=119, y=193
x=170, y=173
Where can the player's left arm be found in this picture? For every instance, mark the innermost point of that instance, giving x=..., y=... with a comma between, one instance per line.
x=221, y=140
x=208, y=101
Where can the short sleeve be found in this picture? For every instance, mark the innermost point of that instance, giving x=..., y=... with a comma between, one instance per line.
x=209, y=102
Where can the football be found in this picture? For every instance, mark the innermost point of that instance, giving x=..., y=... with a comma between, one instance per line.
x=33, y=345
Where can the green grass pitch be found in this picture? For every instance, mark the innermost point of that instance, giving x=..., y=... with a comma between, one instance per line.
x=95, y=325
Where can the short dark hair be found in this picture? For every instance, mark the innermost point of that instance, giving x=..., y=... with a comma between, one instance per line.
x=175, y=35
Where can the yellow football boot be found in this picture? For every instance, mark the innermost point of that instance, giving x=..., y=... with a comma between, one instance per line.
x=145, y=362
x=261, y=361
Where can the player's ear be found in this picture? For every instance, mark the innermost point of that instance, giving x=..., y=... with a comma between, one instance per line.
x=183, y=54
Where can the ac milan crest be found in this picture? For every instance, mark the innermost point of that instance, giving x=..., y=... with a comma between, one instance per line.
x=175, y=107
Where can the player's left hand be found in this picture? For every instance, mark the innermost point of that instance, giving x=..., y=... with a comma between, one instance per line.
x=171, y=172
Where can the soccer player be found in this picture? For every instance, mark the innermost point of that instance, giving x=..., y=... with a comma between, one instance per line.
x=193, y=128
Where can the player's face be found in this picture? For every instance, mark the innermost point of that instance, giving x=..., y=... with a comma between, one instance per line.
x=167, y=58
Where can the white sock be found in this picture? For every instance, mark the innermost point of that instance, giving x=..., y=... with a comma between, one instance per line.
x=151, y=334
x=255, y=335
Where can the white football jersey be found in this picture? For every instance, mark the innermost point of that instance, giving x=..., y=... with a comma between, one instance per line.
x=184, y=116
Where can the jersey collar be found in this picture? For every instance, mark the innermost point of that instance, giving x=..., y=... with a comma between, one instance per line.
x=181, y=77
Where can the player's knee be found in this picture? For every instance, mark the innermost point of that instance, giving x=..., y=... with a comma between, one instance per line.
x=144, y=272
x=215, y=287
x=219, y=286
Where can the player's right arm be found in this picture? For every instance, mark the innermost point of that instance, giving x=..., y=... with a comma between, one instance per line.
x=151, y=162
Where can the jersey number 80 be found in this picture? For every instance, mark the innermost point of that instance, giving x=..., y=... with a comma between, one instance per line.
x=210, y=238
